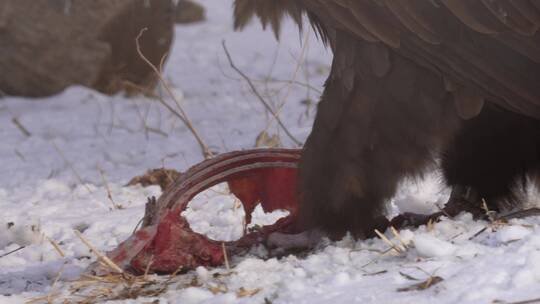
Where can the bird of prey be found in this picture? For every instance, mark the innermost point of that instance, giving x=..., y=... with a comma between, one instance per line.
x=416, y=84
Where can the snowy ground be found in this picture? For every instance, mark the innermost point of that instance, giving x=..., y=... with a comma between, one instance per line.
x=83, y=145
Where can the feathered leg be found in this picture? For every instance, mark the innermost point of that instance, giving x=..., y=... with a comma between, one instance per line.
x=380, y=119
x=492, y=155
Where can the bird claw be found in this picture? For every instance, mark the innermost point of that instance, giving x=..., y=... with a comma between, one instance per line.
x=303, y=240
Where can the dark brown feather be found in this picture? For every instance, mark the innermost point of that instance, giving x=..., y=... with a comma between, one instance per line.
x=270, y=12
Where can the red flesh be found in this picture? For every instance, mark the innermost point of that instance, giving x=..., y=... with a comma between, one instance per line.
x=268, y=177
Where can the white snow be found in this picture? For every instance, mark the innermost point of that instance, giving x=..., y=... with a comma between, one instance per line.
x=218, y=214
x=51, y=185
x=429, y=246
x=512, y=233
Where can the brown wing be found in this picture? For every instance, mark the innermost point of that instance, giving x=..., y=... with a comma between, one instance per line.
x=484, y=48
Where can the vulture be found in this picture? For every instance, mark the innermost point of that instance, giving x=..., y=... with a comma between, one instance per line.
x=416, y=84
